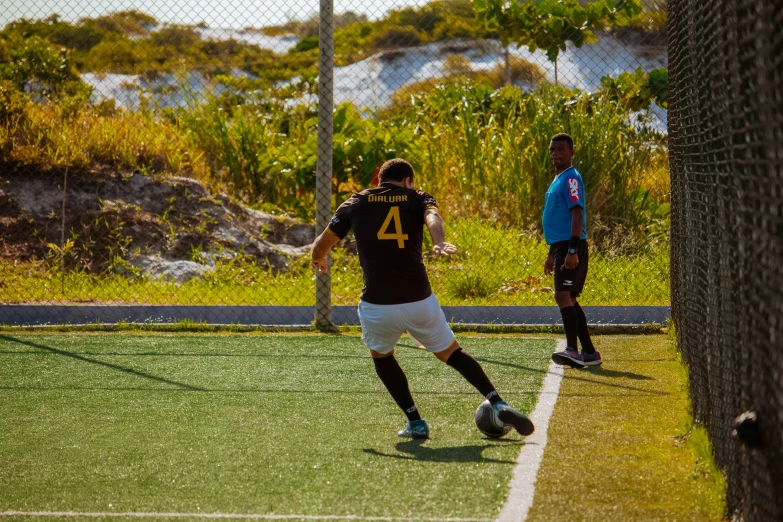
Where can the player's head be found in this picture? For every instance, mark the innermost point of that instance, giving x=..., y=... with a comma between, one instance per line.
x=561, y=150
x=397, y=170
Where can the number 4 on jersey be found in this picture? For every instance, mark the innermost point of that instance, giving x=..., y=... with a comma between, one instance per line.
x=394, y=214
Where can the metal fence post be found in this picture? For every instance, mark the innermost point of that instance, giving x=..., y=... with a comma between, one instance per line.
x=323, y=182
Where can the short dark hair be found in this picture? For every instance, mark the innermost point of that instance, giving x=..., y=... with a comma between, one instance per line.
x=562, y=136
x=396, y=169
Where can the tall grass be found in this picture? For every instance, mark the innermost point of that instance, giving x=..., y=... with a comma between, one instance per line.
x=497, y=265
x=48, y=135
x=257, y=155
x=488, y=153
x=481, y=152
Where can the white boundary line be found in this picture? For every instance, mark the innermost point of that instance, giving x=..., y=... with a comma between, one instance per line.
x=240, y=516
x=523, y=483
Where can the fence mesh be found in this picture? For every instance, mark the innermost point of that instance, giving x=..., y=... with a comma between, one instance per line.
x=190, y=140
x=726, y=128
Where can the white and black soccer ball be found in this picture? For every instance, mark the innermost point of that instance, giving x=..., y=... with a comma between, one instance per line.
x=488, y=423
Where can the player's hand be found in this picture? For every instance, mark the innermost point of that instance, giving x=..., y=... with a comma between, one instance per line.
x=321, y=264
x=571, y=261
x=444, y=249
x=549, y=265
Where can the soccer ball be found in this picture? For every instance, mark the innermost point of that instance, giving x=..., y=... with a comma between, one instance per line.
x=488, y=423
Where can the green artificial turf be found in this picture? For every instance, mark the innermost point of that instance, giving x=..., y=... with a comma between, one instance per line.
x=249, y=424
x=622, y=442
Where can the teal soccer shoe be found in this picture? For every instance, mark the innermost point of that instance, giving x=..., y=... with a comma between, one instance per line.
x=417, y=429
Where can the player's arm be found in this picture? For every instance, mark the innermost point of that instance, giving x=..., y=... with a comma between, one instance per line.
x=572, y=260
x=338, y=228
x=438, y=233
x=549, y=264
x=321, y=247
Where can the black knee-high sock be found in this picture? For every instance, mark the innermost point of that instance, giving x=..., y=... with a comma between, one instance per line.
x=584, y=333
x=470, y=368
x=571, y=325
x=392, y=376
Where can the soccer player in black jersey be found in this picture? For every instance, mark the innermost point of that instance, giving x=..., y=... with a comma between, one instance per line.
x=388, y=223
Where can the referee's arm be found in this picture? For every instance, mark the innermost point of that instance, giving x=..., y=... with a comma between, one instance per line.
x=576, y=221
x=572, y=260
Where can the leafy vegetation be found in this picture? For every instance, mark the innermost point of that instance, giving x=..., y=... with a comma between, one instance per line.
x=637, y=90
x=480, y=147
x=549, y=24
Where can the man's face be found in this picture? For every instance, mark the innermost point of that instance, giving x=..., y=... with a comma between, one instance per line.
x=561, y=154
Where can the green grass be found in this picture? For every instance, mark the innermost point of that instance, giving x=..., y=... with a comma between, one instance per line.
x=248, y=424
x=496, y=266
x=622, y=440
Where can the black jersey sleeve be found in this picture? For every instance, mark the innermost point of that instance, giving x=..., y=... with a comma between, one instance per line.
x=340, y=224
x=425, y=201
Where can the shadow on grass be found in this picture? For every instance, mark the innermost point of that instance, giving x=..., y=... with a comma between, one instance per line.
x=598, y=371
x=185, y=354
x=117, y=367
x=260, y=391
x=418, y=450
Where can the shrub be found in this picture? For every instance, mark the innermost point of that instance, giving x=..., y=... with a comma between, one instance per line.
x=472, y=283
x=306, y=44
x=459, y=73
x=456, y=64
x=35, y=66
x=12, y=102
x=397, y=37
x=178, y=36
x=422, y=19
x=130, y=22
x=80, y=37
x=453, y=27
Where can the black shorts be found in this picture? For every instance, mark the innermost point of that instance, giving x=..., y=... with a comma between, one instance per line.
x=569, y=280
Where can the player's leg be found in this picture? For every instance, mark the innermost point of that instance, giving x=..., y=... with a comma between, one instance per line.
x=426, y=321
x=590, y=356
x=567, y=281
x=396, y=382
x=472, y=371
x=380, y=333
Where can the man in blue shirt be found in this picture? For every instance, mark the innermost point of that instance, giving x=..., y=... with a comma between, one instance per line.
x=565, y=231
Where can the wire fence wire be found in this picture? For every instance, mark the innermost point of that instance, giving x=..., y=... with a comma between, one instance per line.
x=199, y=170
x=727, y=225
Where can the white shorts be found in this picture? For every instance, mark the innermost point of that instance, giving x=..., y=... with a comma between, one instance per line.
x=382, y=325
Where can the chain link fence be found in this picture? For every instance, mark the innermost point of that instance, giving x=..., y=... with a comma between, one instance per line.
x=727, y=224
x=162, y=157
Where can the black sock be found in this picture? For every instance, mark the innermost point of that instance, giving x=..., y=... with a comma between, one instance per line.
x=392, y=376
x=469, y=368
x=571, y=325
x=584, y=333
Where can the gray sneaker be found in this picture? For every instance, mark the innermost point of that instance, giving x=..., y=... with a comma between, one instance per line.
x=592, y=359
x=569, y=357
x=417, y=429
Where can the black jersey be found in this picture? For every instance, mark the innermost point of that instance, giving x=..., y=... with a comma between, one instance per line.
x=388, y=222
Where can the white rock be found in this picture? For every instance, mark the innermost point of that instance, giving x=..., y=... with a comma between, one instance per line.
x=178, y=271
